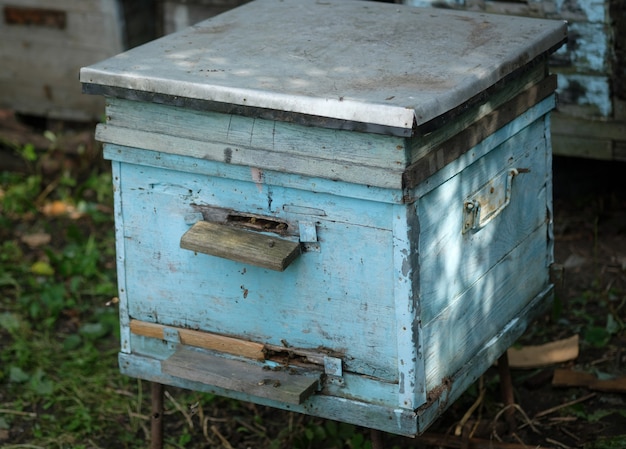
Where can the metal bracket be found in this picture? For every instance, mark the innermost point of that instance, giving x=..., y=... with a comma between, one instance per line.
x=333, y=369
x=171, y=336
x=308, y=236
x=487, y=203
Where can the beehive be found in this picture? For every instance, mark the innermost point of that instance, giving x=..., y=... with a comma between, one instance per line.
x=339, y=208
x=43, y=45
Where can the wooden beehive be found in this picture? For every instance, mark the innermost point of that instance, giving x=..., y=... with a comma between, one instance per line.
x=341, y=208
x=44, y=44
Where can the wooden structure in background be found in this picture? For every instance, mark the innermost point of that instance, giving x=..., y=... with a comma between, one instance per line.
x=590, y=120
x=179, y=14
x=43, y=45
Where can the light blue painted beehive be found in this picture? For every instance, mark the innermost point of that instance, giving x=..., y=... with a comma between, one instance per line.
x=341, y=208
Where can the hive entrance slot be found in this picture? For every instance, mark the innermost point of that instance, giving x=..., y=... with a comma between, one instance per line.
x=257, y=223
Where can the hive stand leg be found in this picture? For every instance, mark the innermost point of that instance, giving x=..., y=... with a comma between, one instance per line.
x=156, y=429
x=506, y=390
x=377, y=439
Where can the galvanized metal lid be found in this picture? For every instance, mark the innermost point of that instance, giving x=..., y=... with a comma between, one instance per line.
x=361, y=62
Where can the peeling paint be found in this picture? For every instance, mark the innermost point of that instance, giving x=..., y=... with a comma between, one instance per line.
x=257, y=177
x=586, y=90
x=594, y=11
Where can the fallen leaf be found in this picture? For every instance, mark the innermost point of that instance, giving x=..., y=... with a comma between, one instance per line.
x=59, y=208
x=42, y=268
x=543, y=355
x=36, y=239
x=574, y=261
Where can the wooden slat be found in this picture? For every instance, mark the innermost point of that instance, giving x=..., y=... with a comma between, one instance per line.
x=443, y=128
x=450, y=150
x=570, y=378
x=201, y=339
x=577, y=146
x=285, y=386
x=579, y=127
x=239, y=245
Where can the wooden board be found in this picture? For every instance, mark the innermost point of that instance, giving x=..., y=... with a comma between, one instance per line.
x=347, y=409
x=206, y=340
x=240, y=245
x=286, y=386
x=570, y=378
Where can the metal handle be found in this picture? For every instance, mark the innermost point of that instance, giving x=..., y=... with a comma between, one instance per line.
x=240, y=245
x=488, y=202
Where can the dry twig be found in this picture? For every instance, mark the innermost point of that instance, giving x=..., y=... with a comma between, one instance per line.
x=468, y=414
x=6, y=411
x=180, y=409
x=223, y=440
x=454, y=442
x=566, y=404
x=558, y=443
x=519, y=409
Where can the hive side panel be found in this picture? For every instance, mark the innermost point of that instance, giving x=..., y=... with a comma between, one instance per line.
x=334, y=296
x=454, y=258
x=474, y=281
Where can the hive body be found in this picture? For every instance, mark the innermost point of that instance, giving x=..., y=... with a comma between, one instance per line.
x=361, y=257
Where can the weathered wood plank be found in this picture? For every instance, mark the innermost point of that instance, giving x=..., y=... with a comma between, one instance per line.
x=290, y=386
x=240, y=245
x=447, y=127
x=576, y=146
x=579, y=127
x=311, y=165
x=338, y=407
x=198, y=339
x=539, y=112
x=444, y=391
x=571, y=378
x=120, y=257
x=235, y=131
x=237, y=173
x=462, y=142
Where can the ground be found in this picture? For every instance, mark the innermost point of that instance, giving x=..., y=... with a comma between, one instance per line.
x=59, y=385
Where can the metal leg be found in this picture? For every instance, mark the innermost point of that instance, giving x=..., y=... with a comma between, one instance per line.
x=377, y=439
x=506, y=390
x=156, y=424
